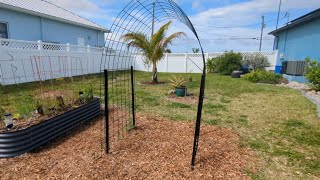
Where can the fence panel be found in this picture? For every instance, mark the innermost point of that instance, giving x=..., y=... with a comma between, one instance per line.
x=19, y=59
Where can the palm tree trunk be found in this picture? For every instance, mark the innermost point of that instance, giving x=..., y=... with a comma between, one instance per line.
x=155, y=75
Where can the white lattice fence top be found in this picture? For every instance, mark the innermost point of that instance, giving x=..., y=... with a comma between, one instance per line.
x=16, y=44
x=32, y=45
x=177, y=54
x=195, y=55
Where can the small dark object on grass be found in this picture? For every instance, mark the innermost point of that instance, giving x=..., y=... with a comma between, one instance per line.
x=236, y=74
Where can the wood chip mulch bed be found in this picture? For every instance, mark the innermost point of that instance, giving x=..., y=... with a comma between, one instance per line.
x=156, y=149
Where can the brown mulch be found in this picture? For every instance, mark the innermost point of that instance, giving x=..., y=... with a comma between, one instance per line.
x=156, y=149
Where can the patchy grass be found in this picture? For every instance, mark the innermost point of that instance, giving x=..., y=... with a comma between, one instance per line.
x=278, y=123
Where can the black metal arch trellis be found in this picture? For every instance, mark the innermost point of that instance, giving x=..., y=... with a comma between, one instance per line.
x=118, y=60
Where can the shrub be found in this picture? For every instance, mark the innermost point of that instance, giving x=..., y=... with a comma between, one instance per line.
x=177, y=81
x=313, y=73
x=256, y=61
x=228, y=62
x=261, y=76
x=211, y=65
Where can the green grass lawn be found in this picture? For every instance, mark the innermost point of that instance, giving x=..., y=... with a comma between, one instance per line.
x=278, y=123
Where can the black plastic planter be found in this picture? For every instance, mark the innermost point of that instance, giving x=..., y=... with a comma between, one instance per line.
x=19, y=142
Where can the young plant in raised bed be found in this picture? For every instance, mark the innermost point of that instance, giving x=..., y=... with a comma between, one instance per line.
x=179, y=84
x=8, y=120
x=88, y=95
x=60, y=103
x=40, y=110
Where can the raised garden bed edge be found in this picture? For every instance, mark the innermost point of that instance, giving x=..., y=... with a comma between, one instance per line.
x=16, y=143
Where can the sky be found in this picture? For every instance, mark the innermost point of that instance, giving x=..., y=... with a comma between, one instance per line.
x=222, y=25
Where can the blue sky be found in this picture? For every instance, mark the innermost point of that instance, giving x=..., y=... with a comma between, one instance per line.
x=215, y=20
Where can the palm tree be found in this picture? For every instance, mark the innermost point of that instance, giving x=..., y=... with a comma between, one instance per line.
x=152, y=48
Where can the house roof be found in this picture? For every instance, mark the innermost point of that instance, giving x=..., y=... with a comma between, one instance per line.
x=305, y=18
x=49, y=10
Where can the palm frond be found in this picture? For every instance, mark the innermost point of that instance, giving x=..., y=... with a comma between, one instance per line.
x=177, y=81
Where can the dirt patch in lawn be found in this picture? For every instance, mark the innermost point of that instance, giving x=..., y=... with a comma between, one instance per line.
x=153, y=83
x=185, y=100
x=156, y=149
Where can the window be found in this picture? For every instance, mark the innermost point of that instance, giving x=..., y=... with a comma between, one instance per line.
x=3, y=30
x=81, y=41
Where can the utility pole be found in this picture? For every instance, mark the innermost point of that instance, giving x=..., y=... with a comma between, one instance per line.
x=279, y=14
x=262, y=27
x=153, y=9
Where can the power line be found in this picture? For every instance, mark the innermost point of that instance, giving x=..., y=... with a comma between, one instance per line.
x=223, y=27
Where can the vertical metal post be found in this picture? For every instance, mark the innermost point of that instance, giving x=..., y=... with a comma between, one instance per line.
x=198, y=122
x=262, y=27
x=278, y=14
x=153, y=9
x=106, y=104
x=132, y=95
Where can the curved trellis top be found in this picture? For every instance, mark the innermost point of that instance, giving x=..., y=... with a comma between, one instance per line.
x=137, y=16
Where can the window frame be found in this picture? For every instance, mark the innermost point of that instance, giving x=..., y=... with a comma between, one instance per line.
x=7, y=24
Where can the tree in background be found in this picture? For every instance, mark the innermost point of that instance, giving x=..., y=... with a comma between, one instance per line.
x=211, y=65
x=195, y=50
x=168, y=51
x=256, y=61
x=152, y=48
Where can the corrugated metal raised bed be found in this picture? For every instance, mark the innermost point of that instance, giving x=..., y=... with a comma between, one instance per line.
x=19, y=142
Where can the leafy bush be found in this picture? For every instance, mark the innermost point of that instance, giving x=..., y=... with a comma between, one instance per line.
x=256, y=61
x=261, y=76
x=227, y=62
x=211, y=65
x=313, y=73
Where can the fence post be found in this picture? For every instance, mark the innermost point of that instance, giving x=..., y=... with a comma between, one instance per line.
x=167, y=63
x=104, y=53
x=88, y=58
x=106, y=106
x=186, y=63
x=132, y=96
x=40, y=47
x=69, y=62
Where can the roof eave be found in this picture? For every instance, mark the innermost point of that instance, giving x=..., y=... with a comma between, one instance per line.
x=52, y=17
x=295, y=23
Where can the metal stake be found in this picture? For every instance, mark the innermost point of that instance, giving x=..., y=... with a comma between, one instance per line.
x=106, y=101
x=132, y=94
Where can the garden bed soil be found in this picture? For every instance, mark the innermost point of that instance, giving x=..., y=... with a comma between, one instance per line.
x=153, y=83
x=156, y=149
x=190, y=99
x=36, y=118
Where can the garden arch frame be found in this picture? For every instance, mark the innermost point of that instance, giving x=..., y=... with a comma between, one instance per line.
x=138, y=16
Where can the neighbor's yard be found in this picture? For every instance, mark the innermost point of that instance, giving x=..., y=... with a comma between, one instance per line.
x=277, y=123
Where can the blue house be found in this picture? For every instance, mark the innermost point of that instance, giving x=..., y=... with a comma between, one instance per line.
x=34, y=20
x=295, y=42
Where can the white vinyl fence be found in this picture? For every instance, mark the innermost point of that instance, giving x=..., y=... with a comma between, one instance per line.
x=192, y=63
x=28, y=61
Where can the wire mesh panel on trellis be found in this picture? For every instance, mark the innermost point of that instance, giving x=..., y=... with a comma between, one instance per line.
x=138, y=16
x=55, y=84
x=117, y=66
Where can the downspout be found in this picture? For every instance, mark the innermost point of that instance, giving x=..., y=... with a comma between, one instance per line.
x=274, y=44
x=98, y=39
x=41, y=28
